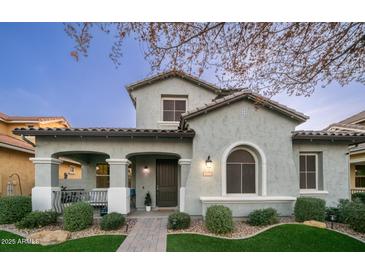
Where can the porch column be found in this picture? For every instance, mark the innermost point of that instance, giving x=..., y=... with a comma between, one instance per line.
x=184, y=173
x=46, y=181
x=118, y=192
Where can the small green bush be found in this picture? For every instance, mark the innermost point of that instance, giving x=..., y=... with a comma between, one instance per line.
x=112, y=221
x=14, y=208
x=179, y=220
x=308, y=208
x=259, y=217
x=343, y=210
x=358, y=196
x=37, y=219
x=218, y=219
x=78, y=216
x=356, y=216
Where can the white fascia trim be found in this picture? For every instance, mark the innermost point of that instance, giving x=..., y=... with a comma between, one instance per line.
x=118, y=161
x=16, y=148
x=246, y=200
x=46, y=161
x=184, y=162
x=313, y=192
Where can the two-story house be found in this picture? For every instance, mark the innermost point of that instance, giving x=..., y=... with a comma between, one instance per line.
x=16, y=170
x=196, y=144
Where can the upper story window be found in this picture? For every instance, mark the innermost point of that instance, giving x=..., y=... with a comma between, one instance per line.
x=172, y=108
x=308, y=168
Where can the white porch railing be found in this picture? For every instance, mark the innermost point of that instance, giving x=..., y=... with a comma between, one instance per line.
x=63, y=199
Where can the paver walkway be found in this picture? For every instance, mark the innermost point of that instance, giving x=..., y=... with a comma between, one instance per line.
x=148, y=234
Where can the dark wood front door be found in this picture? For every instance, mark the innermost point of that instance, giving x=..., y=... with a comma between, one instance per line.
x=166, y=183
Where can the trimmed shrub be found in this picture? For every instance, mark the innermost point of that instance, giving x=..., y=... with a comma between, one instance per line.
x=343, y=210
x=112, y=221
x=308, y=208
x=358, y=196
x=179, y=220
x=37, y=219
x=356, y=216
x=259, y=217
x=14, y=208
x=218, y=219
x=78, y=216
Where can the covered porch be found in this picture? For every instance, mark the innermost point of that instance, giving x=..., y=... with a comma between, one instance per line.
x=117, y=171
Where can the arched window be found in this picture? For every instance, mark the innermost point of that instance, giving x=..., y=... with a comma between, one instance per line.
x=241, y=172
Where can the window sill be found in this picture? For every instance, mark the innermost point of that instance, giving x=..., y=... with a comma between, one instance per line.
x=313, y=192
x=168, y=124
x=246, y=199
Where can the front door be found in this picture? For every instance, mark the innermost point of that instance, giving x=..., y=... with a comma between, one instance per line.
x=166, y=183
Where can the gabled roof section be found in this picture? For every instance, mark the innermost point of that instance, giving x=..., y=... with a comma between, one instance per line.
x=32, y=119
x=354, y=119
x=345, y=127
x=105, y=132
x=244, y=95
x=170, y=74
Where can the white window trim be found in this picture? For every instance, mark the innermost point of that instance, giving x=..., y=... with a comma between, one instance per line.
x=309, y=190
x=177, y=98
x=256, y=174
x=225, y=155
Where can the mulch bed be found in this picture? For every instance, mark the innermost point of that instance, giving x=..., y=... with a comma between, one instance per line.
x=91, y=231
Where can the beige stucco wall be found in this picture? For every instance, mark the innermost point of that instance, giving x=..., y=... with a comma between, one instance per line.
x=12, y=161
x=65, y=168
x=148, y=108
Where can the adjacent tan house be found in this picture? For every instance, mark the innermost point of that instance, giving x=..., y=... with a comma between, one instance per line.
x=15, y=166
x=355, y=123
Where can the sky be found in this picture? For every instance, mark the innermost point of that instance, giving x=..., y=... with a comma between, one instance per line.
x=39, y=77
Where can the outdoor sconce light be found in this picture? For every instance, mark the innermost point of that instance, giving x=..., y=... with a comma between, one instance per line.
x=209, y=162
x=333, y=218
x=146, y=170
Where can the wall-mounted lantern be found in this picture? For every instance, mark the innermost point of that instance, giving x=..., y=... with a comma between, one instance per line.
x=208, y=170
x=209, y=162
x=146, y=170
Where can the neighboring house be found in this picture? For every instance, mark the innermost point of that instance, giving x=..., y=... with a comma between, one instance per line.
x=355, y=123
x=196, y=145
x=16, y=151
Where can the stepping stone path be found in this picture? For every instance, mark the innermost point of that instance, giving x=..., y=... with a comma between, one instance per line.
x=148, y=235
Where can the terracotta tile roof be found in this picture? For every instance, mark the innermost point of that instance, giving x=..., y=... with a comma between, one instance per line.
x=240, y=95
x=14, y=142
x=354, y=118
x=9, y=118
x=108, y=132
x=348, y=136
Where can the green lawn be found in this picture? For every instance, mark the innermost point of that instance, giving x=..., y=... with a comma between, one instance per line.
x=103, y=243
x=290, y=237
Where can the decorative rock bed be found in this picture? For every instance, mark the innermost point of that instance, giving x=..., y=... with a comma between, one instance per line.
x=244, y=230
x=91, y=231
